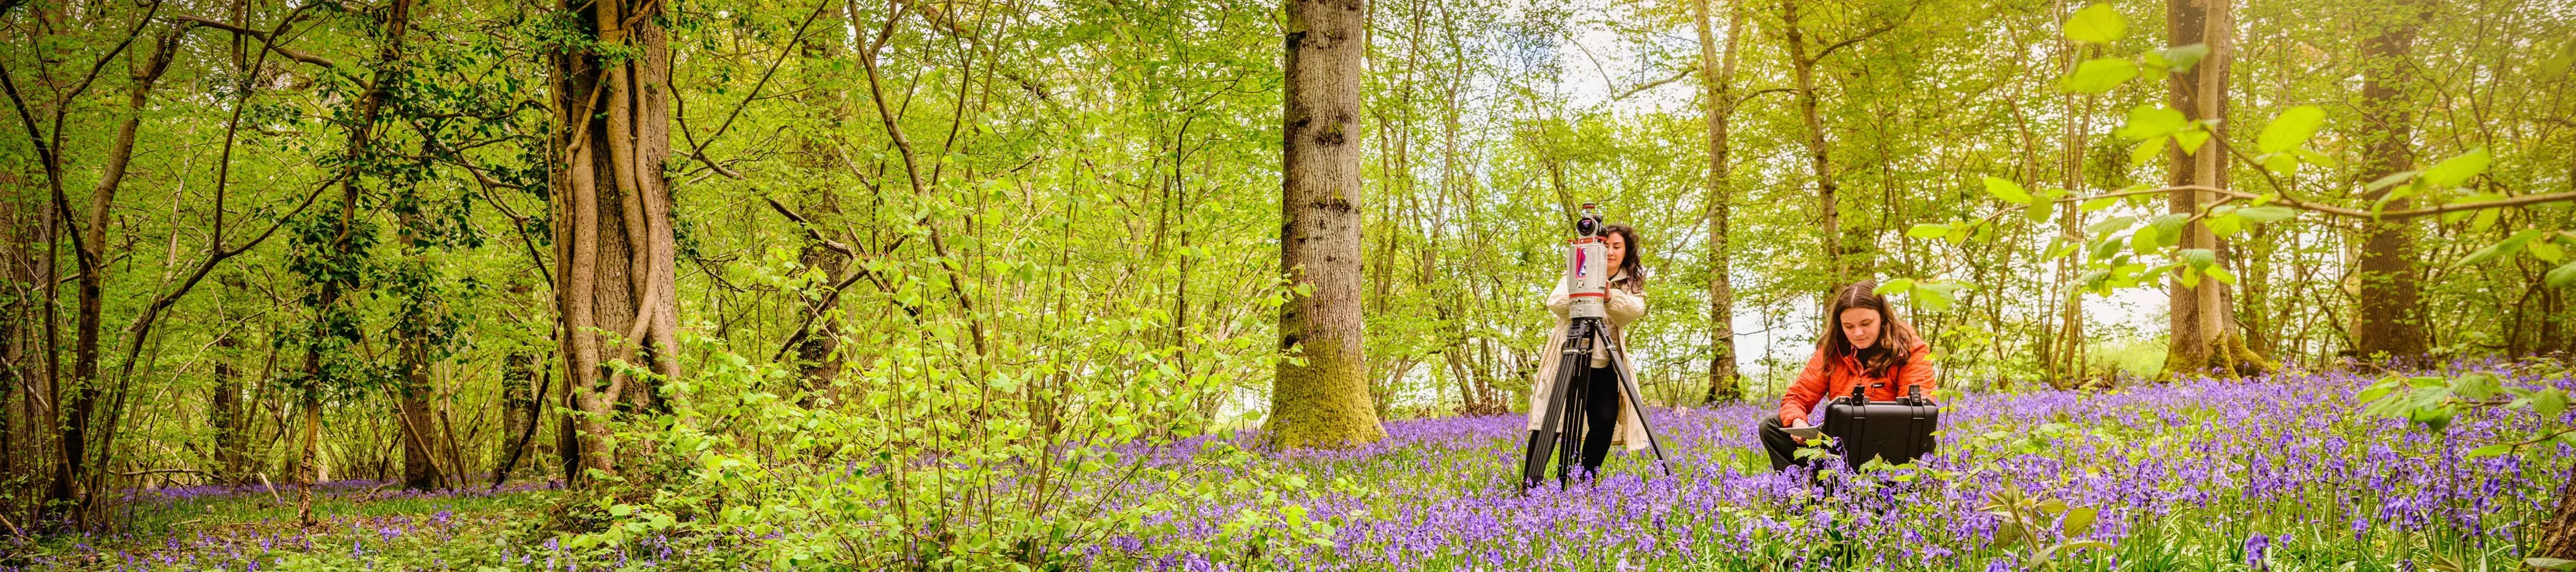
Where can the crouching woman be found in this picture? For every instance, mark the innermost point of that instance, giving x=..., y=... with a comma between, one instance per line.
x=1866, y=345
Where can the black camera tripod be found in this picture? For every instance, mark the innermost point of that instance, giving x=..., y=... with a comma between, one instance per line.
x=1560, y=429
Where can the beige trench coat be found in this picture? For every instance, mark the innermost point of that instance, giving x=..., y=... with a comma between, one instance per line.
x=1623, y=308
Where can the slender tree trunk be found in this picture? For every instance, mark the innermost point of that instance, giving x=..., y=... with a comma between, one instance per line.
x=519, y=415
x=1717, y=78
x=20, y=431
x=2387, y=322
x=2204, y=337
x=1323, y=401
x=2064, y=359
x=1819, y=156
x=76, y=466
x=224, y=410
x=616, y=254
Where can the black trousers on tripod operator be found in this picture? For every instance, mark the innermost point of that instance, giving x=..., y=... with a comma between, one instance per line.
x=1599, y=389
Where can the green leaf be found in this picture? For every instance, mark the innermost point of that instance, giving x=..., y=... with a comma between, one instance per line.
x=2456, y=170
x=2490, y=450
x=2546, y=251
x=1891, y=286
x=2008, y=191
x=2224, y=225
x=2079, y=521
x=2292, y=129
x=2168, y=227
x=1928, y=230
x=2110, y=225
x=2392, y=179
x=2221, y=275
x=2315, y=158
x=2548, y=403
x=2550, y=563
x=2150, y=122
x=2283, y=164
x=2562, y=276
x=2477, y=386
x=1932, y=299
x=2145, y=151
x=2267, y=214
x=2098, y=75
x=2191, y=139
x=2098, y=204
x=2506, y=247
x=2179, y=59
x=2097, y=24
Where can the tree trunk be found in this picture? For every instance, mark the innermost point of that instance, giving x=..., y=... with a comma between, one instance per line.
x=1819, y=159
x=2388, y=326
x=76, y=470
x=1717, y=78
x=616, y=254
x=519, y=415
x=2064, y=359
x=422, y=443
x=224, y=410
x=2558, y=536
x=2204, y=337
x=21, y=420
x=1323, y=401
x=822, y=338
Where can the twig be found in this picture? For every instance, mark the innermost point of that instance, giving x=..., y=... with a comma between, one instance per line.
x=272, y=489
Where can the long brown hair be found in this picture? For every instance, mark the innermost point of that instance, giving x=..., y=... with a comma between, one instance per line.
x=1894, y=335
x=1634, y=262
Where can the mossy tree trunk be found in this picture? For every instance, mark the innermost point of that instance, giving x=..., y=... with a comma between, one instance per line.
x=1321, y=399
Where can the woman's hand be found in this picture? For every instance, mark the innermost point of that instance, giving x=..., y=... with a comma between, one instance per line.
x=1794, y=436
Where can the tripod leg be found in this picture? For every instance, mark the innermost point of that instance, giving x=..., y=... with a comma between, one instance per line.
x=1570, y=437
x=1637, y=403
x=1543, y=440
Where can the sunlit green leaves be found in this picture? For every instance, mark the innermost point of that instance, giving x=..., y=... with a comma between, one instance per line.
x=2457, y=170
x=1932, y=295
x=2097, y=24
x=2007, y=191
x=2507, y=247
x=2291, y=129
x=2098, y=75
x=2177, y=59
x=2562, y=276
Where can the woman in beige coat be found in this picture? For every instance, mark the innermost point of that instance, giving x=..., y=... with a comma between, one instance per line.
x=1607, y=417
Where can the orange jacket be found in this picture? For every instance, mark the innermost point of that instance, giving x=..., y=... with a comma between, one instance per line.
x=1820, y=381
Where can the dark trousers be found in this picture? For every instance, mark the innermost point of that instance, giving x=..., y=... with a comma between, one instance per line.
x=1776, y=442
x=1599, y=390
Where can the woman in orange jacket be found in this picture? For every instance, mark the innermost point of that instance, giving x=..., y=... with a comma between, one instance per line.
x=1865, y=351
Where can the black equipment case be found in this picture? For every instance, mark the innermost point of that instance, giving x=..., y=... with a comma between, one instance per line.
x=1897, y=431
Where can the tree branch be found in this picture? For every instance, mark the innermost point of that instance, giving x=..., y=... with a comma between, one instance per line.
x=290, y=53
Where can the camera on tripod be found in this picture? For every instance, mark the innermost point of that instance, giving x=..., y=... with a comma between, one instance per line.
x=1587, y=272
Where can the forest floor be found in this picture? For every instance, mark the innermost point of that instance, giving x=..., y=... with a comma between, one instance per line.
x=2279, y=473
x=364, y=525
